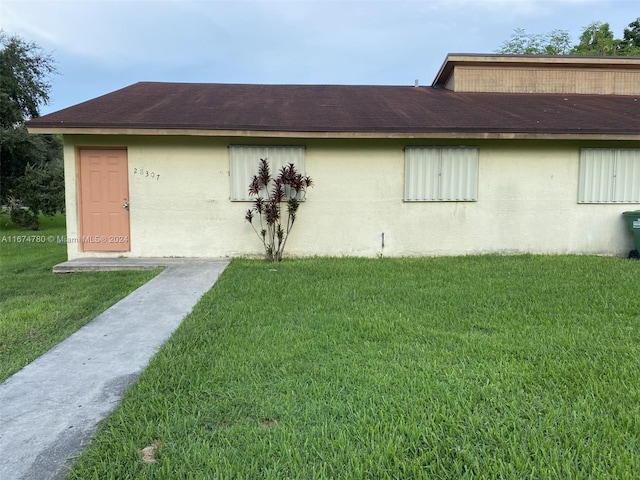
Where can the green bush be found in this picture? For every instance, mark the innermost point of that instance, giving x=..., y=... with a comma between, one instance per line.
x=42, y=187
x=39, y=190
x=25, y=218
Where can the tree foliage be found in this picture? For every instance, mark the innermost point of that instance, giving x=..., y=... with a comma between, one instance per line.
x=596, y=39
x=557, y=42
x=42, y=187
x=30, y=165
x=630, y=44
x=289, y=187
x=24, y=80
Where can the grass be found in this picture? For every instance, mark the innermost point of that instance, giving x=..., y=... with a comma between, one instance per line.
x=470, y=367
x=39, y=309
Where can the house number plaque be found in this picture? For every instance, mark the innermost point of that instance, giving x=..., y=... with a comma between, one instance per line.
x=142, y=172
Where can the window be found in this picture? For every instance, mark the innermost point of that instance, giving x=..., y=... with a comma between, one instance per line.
x=244, y=161
x=609, y=175
x=441, y=174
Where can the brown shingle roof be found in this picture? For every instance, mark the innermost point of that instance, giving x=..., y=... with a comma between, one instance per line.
x=345, y=108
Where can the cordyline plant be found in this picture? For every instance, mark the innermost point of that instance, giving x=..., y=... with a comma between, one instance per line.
x=288, y=187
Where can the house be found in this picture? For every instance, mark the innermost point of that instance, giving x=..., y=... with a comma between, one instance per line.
x=501, y=154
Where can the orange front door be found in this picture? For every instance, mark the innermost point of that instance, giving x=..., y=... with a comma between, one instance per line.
x=104, y=200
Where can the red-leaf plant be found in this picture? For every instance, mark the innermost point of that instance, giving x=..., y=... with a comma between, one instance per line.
x=288, y=187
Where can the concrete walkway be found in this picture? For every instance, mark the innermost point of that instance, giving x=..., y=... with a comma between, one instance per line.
x=50, y=409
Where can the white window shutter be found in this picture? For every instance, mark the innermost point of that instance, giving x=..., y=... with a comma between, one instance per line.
x=609, y=175
x=441, y=174
x=245, y=159
x=459, y=174
x=627, y=176
x=596, y=182
x=421, y=174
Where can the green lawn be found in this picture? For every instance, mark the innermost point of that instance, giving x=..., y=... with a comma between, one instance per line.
x=471, y=367
x=39, y=309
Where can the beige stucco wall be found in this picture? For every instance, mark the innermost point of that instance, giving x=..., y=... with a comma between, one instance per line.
x=527, y=201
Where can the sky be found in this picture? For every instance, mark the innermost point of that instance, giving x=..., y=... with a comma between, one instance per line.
x=102, y=45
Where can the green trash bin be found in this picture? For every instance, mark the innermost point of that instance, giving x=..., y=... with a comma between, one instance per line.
x=633, y=222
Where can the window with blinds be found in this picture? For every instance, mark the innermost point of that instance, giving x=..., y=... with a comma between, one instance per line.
x=441, y=174
x=244, y=161
x=609, y=175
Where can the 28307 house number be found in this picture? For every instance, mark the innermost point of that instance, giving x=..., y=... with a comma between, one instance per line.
x=146, y=173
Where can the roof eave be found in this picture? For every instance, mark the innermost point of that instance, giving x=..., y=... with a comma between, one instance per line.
x=442, y=134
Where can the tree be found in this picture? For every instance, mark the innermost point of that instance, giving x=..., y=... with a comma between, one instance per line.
x=24, y=86
x=596, y=39
x=556, y=42
x=288, y=187
x=630, y=44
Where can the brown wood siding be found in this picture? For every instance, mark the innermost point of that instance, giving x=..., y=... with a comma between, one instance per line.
x=545, y=80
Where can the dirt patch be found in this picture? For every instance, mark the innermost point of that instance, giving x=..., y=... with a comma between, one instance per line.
x=268, y=422
x=149, y=453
